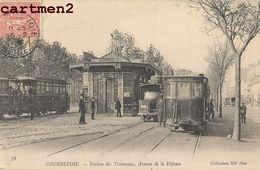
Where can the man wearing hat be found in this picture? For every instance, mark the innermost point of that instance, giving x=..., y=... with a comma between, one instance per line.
x=118, y=108
x=161, y=111
x=92, y=106
x=82, y=110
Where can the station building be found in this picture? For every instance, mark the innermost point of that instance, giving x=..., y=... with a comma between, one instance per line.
x=110, y=77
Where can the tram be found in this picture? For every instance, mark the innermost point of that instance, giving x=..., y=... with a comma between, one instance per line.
x=150, y=96
x=186, y=100
x=26, y=95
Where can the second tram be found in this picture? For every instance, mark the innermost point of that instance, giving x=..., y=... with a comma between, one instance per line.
x=28, y=95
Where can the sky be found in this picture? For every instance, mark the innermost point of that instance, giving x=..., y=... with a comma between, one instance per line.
x=177, y=30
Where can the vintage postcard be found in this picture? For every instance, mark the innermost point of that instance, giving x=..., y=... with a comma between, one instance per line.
x=129, y=85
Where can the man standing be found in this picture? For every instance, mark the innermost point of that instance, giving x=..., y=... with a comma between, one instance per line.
x=161, y=112
x=92, y=106
x=82, y=109
x=31, y=102
x=118, y=108
x=211, y=108
x=243, y=112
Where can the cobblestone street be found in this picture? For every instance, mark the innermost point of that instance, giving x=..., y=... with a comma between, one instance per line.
x=60, y=137
x=25, y=131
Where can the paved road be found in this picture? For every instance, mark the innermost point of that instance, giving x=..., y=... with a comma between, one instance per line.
x=120, y=139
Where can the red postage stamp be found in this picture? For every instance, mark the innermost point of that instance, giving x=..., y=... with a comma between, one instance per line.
x=19, y=31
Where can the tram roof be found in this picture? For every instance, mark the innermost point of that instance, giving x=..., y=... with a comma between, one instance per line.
x=3, y=78
x=184, y=76
x=27, y=79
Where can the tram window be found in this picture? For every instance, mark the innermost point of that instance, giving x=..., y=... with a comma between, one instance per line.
x=64, y=88
x=197, y=90
x=183, y=90
x=59, y=88
x=55, y=88
x=47, y=88
x=50, y=87
x=38, y=87
x=42, y=87
x=1, y=88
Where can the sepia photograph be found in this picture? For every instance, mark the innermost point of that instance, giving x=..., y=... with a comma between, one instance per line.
x=129, y=84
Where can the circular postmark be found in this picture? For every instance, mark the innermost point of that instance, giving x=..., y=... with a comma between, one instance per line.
x=19, y=35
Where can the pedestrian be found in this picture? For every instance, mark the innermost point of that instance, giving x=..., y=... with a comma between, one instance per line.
x=82, y=110
x=243, y=113
x=211, y=108
x=161, y=112
x=31, y=103
x=92, y=106
x=118, y=108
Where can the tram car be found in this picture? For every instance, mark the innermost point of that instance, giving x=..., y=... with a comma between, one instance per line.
x=4, y=96
x=149, y=98
x=186, y=101
x=26, y=95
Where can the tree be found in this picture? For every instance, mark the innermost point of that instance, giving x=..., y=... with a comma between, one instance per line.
x=239, y=23
x=123, y=45
x=213, y=83
x=153, y=55
x=47, y=61
x=219, y=60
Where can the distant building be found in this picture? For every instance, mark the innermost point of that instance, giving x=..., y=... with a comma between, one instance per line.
x=183, y=72
x=111, y=77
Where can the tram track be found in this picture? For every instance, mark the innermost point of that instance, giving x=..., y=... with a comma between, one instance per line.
x=128, y=140
x=157, y=143
x=196, y=145
x=93, y=139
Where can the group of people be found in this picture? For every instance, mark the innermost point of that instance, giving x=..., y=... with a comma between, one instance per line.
x=243, y=110
x=83, y=109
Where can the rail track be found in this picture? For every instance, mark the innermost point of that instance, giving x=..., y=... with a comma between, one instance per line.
x=157, y=143
x=128, y=140
x=96, y=138
x=196, y=145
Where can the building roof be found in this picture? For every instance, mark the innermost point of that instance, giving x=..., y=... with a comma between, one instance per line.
x=111, y=55
x=110, y=59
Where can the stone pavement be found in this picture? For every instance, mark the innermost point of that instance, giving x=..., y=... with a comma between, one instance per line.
x=25, y=131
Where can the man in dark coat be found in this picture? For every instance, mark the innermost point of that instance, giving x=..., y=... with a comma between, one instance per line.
x=243, y=113
x=161, y=112
x=82, y=109
x=92, y=106
x=118, y=108
x=211, y=108
x=32, y=104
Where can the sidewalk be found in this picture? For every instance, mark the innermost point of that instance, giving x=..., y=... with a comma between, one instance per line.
x=216, y=146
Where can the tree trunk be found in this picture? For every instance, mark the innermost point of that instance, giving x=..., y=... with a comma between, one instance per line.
x=237, y=125
x=217, y=98
x=220, y=100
